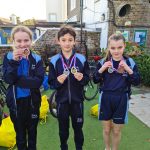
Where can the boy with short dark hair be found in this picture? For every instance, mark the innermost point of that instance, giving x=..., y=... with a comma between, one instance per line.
x=68, y=73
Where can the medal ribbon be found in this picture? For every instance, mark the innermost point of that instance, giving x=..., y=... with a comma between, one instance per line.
x=65, y=65
x=114, y=69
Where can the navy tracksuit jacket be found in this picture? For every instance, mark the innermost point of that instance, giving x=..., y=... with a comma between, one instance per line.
x=72, y=89
x=115, y=82
x=69, y=97
x=115, y=91
x=23, y=97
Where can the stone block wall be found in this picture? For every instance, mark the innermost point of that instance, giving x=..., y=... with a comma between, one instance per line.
x=47, y=44
x=3, y=51
x=138, y=16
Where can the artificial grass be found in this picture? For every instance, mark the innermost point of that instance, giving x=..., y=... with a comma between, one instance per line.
x=135, y=135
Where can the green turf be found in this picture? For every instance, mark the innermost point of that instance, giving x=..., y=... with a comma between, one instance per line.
x=135, y=135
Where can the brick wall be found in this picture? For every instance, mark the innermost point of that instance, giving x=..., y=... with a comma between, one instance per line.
x=47, y=44
x=139, y=14
x=139, y=17
x=4, y=50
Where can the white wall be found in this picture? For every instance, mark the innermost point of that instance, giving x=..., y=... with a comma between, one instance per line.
x=58, y=7
x=92, y=17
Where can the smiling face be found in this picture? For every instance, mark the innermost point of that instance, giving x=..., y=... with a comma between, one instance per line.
x=22, y=40
x=116, y=48
x=66, y=42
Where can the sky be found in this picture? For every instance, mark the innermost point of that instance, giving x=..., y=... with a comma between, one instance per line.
x=25, y=9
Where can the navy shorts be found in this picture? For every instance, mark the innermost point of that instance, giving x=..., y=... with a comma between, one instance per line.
x=113, y=106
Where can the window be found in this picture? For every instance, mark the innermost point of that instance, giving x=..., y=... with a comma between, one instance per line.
x=73, y=4
x=52, y=17
x=96, y=1
x=124, y=10
x=102, y=18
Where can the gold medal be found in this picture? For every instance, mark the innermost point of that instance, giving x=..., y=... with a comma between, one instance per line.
x=73, y=70
x=26, y=52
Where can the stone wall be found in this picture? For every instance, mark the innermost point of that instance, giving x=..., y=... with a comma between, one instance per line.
x=47, y=45
x=138, y=16
x=3, y=51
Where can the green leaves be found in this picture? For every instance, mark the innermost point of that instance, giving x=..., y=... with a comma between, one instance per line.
x=143, y=62
x=133, y=49
x=141, y=58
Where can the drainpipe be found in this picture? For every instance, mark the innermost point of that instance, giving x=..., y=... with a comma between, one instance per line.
x=39, y=31
x=81, y=27
x=81, y=18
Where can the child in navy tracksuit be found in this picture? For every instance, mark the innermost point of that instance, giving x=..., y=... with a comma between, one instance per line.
x=68, y=73
x=23, y=72
x=116, y=73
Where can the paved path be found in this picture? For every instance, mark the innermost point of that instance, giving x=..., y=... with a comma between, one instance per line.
x=140, y=107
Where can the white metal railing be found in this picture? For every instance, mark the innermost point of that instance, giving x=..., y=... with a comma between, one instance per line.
x=6, y=45
x=39, y=36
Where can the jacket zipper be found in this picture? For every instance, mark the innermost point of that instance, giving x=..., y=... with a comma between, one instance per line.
x=69, y=85
x=29, y=89
x=69, y=89
x=15, y=100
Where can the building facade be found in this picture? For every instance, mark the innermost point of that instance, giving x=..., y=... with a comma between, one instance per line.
x=73, y=10
x=132, y=19
x=56, y=10
x=95, y=16
x=108, y=16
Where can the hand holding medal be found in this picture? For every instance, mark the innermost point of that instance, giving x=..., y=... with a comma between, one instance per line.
x=111, y=69
x=19, y=53
x=61, y=78
x=123, y=67
x=120, y=68
x=78, y=76
x=105, y=66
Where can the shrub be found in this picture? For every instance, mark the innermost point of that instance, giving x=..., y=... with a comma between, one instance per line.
x=133, y=49
x=141, y=58
x=143, y=62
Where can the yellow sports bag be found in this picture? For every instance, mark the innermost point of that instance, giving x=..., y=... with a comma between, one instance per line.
x=94, y=110
x=7, y=133
x=44, y=109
